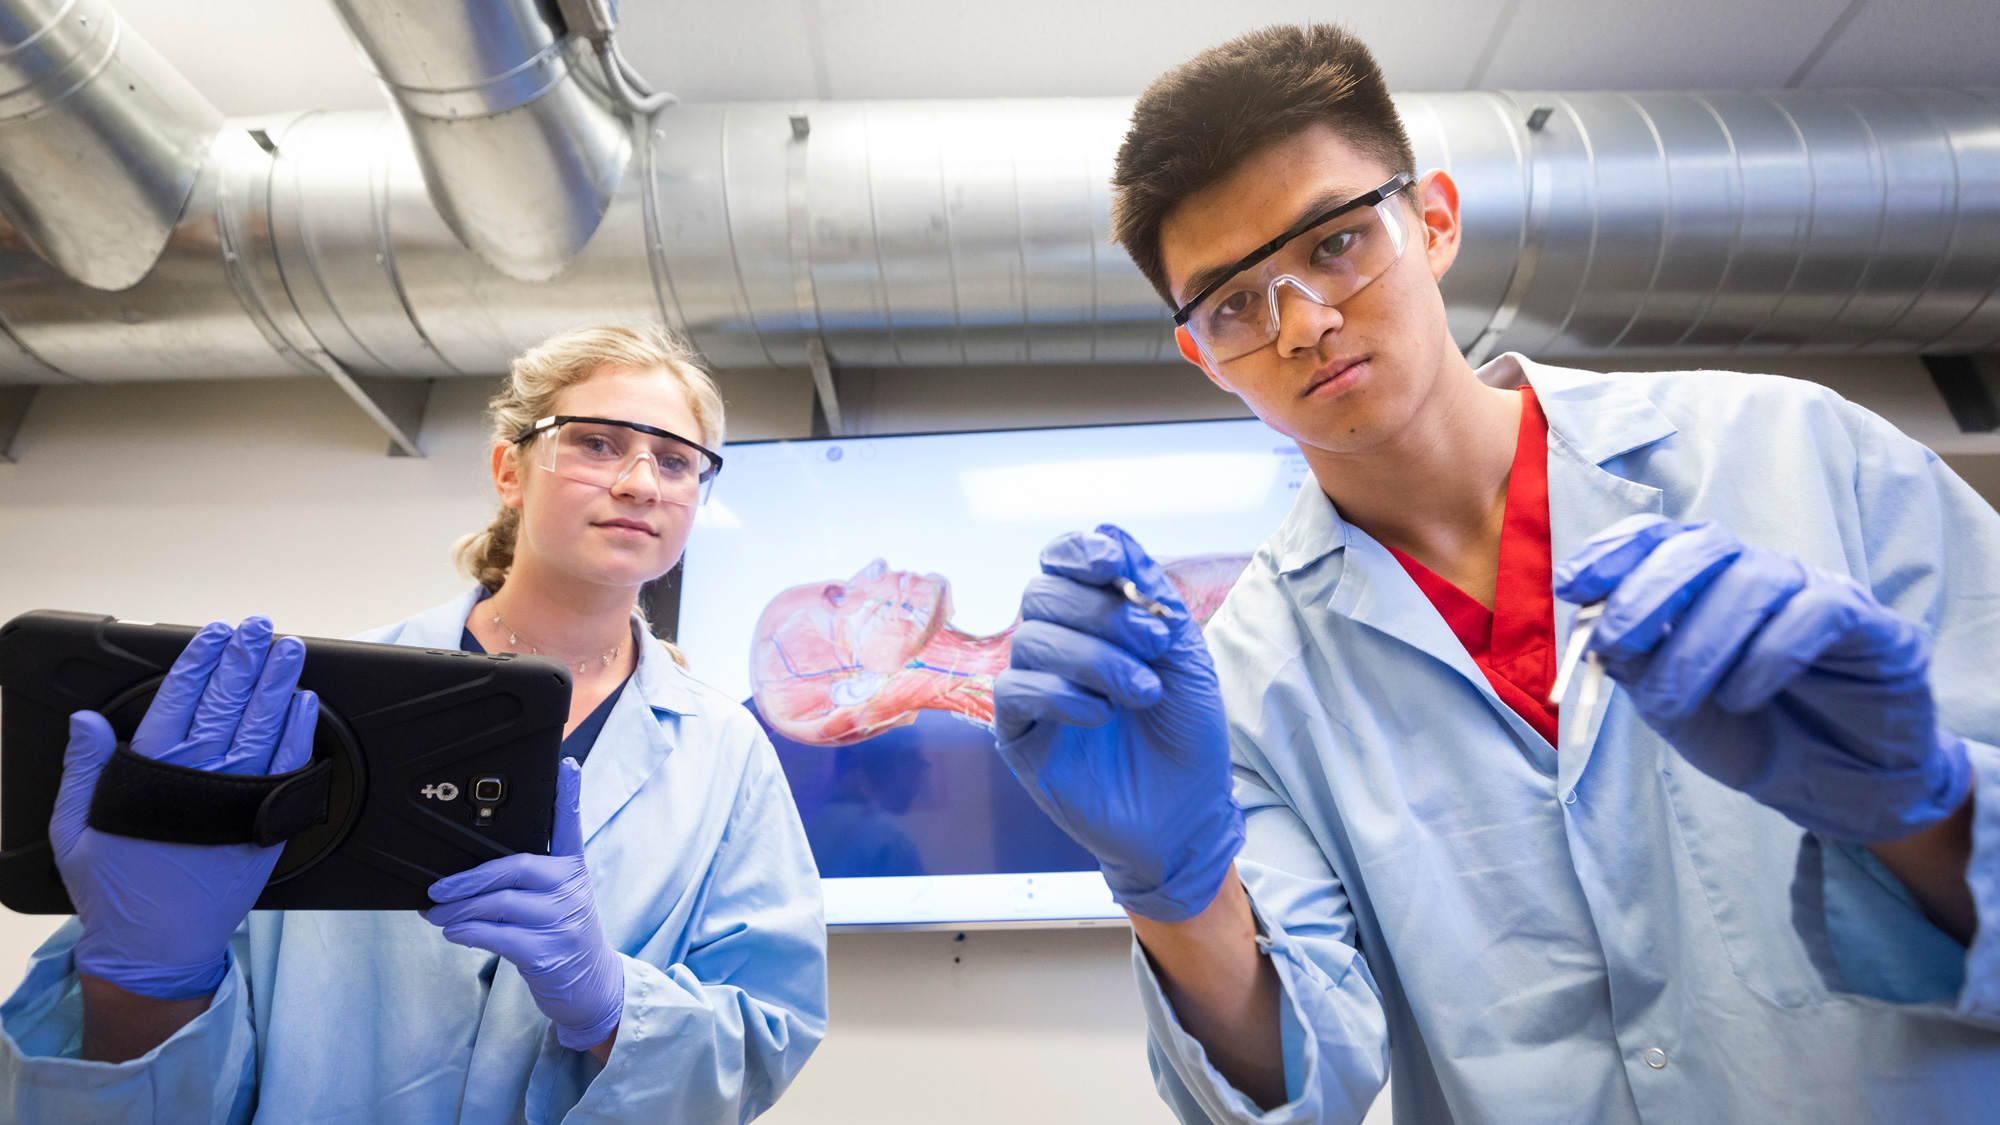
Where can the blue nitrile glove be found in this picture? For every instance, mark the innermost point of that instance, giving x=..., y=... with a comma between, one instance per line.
x=537, y=911
x=1112, y=718
x=1774, y=677
x=157, y=916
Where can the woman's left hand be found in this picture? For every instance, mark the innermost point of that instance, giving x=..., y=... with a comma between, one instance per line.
x=537, y=911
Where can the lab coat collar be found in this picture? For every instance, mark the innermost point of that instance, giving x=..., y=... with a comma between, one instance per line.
x=638, y=735
x=1311, y=532
x=661, y=682
x=1596, y=417
x=441, y=627
x=1599, y=416
x=667, y=689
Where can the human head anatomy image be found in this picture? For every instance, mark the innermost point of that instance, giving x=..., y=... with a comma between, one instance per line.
x=834, y=662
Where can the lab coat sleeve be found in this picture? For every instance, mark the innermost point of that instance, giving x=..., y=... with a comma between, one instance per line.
x=716, y=1035
x=1932, y=547
x=204, y=1074
x=1331, y=1020
x=1981, y=997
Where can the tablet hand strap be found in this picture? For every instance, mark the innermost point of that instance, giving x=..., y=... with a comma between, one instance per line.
x=151, y=800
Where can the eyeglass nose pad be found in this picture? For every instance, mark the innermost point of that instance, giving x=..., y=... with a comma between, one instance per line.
x=1277, y=310
x=632, y=468
x=1298, y=284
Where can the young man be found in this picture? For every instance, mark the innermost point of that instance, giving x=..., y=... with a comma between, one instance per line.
x=1734, y=887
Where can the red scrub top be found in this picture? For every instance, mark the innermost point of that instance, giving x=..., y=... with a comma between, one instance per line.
x=1514, y=643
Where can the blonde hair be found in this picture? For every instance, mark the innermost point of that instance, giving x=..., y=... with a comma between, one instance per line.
x=539, y=376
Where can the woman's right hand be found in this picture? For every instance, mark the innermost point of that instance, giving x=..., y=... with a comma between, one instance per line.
x=157, y=917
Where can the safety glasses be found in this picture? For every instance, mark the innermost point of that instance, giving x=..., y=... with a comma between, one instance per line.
x=606, y=452
x=1325, y=258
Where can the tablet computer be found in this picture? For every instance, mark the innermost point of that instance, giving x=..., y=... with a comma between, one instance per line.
x=426, y=762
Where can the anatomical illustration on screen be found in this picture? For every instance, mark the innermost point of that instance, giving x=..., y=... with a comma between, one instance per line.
x=836, y=662
x=882, y=713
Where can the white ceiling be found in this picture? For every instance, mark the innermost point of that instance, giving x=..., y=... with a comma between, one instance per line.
x=257, y=56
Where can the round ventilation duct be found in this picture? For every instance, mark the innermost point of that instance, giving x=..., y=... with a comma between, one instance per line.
x=945, y=232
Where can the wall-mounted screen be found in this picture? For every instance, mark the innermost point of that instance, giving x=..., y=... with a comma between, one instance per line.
x=859, y=594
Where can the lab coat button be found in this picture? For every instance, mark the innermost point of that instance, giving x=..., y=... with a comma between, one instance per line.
x=1656, y=1058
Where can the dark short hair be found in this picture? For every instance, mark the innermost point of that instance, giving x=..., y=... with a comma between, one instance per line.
x=1201, y=120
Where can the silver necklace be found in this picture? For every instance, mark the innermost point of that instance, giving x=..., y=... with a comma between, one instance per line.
x=582, y=666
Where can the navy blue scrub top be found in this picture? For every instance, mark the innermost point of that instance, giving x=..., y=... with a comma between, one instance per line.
x=578, y=742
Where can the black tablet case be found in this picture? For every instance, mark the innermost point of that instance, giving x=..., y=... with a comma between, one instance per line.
x=403, y=727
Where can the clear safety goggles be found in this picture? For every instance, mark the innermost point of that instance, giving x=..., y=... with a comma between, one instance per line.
x=1326, y=258
x=606, y=452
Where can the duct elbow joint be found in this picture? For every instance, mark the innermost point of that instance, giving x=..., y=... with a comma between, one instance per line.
x=131, y=133
x=520, y=158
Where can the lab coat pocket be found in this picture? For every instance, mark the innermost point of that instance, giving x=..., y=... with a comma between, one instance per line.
x=1760, y=877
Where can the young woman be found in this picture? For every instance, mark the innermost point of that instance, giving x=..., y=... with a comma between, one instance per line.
x=667, y=960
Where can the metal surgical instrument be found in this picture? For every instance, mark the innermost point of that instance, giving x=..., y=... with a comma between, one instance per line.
x=1576, y=652
x=1131, y=591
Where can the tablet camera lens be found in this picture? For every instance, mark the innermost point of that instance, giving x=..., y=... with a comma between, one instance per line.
x=488, y=792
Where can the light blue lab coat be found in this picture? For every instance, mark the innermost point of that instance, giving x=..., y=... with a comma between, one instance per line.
x=703, y=883
x=1601, y=934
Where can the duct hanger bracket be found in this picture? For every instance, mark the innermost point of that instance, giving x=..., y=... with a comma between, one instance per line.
x=1534, y=227
x=14, y=403
x=396, y=405
x=823, y=389
x=1967, y=392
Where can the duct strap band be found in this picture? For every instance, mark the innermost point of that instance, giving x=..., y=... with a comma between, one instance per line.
x=139, y=797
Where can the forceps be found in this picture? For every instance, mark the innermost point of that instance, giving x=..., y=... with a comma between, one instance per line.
x=1580, y=629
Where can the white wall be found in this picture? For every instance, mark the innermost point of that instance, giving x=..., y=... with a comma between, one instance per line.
x=195, y=501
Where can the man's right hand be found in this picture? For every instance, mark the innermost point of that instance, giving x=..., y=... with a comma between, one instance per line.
x=1113, y=720
x=157, y=917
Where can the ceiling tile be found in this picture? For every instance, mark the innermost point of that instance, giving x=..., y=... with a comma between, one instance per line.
x=1915, y=43
x=1053, y=48
x=258, y=56
x=748, y=50
x=1688, y=45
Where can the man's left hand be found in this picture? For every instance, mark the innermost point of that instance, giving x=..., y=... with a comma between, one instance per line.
x=1776, y=678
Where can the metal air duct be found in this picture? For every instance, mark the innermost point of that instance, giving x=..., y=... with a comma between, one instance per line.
x=100, y=139
x=520, y=155
x=1710, y=223
x=949, y=232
